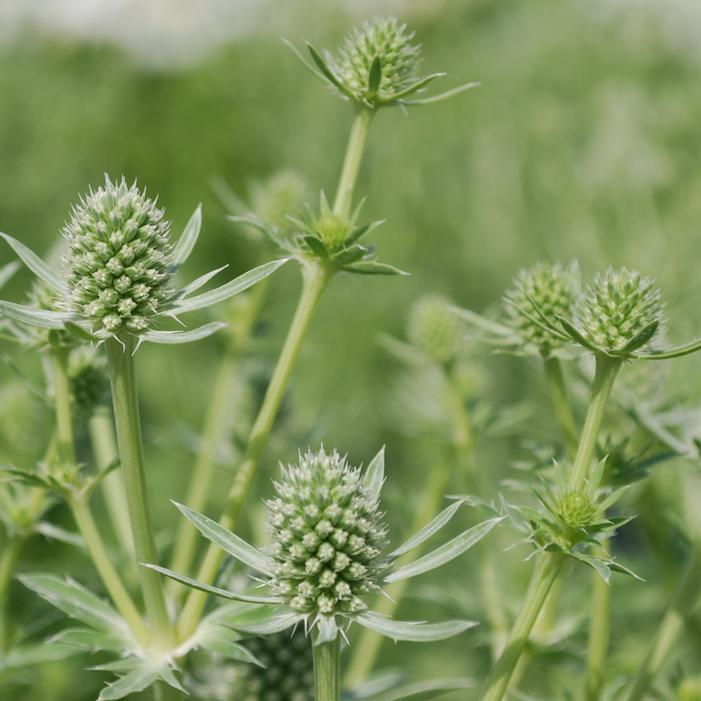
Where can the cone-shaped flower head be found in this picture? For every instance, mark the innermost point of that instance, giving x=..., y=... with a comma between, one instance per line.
x=390, y=42
x=619, y=310
x=287, y=674
x=434, y=328
x=538, y=297
x=576, y=508
x=327, y=534
x=117, y=267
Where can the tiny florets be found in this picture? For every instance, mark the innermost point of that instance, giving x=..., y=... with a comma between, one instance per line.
x=117, y=266
x=576, y=509
x=546, y=291
x=287, y=674
x=618, y=307
x=387, y=39
x=327, y=534
x=332, y=230
x=434, y=328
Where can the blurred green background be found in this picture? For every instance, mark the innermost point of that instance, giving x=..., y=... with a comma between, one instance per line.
x=582, y=142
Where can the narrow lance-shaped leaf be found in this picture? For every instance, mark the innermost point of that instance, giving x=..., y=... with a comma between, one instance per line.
x=172, y=337
x=276, y=623
x=7, y=271
x=372, y=267
x=188, y=239
x=441, y=96
x=216, y=591
x=131, y=683
x=35, y=264
x=374, y=76
x=200, y=281
x=375, y=475
x=231, y=288
x=445, y=553
x=412, y=631
x=34, y=317
x=228, y=541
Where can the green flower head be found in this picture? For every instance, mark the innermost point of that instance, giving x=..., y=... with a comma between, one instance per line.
x=620, y=311
x=118, y=267
x=538, y=298
x=435, y=328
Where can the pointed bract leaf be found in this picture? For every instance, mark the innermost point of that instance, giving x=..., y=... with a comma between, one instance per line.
x=374, y=476
x=642, y=338
x=7, y=271
x=188, y=239
x=374, y=76
x=174, y=337
x=445, y=553
x=200, y=281
x=91, y=640
x=411, y=631
x=675, y=352
x=35, y=654
x=228, y=541
x=372, y=267
x=276, y=623
x=35, y=264
x=327, y=72
x=131, y=683
x=441, y=96
x=34, y=317
x=573, y=332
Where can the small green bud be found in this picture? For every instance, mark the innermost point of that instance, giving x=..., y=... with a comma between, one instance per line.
x=434, y=328
x=617, y=308
x=117, y=266
x=332, y=230
x=279, y=196
x=576, y=509
x=546, y=291
x=390, y=42
x=327, y=534
x=288, y=673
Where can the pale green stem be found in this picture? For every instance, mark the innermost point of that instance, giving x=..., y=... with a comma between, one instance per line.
x=367, y=647
x=598, y=636
x=129, y=440
x=351, y=164
x=550, y=564
x=315, y=279
x=327, y=670
x=547, y=571
x=8, y=560
x=81, y=513
x=561, y=405
x=671, y=626
x=214, y=432
x=104, y=447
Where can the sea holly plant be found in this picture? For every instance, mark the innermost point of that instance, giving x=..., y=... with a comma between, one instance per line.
x=327, y=555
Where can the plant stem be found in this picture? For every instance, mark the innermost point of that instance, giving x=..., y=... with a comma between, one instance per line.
x=315, y=279
x=104, y=449
x=109, y=575
x=547, y=571
x=598, y=636
x=215, y=427
x=129, y=440
x=8, y=560
x=65, y=445
x=351, y=164
x=561, y=405
x=606, y=370
x=327, y=670
x=367, y=647
x=683, y=603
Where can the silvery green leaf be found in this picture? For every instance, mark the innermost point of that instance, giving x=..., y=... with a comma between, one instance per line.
x=415, y=87
x=374, y=476
x=327, y=630
x=610, y=500
x=275, y=623
x=372, y=267
x=228, y=541
x=34, y=317
x=200, y=281
x=53, y=532
x=7, y=271
x=188, y=239
x=642, y=338
x=303, y=60
x=216, y=591
x=573, y=332
x=229, y=289
x=599, y=566
x=90, y=639
x=423, y=691
x=361, y=231
x=411, y=631
x=35, y=654
x=374, y=76
x=223, y=645
x=622, y=569
x=131, y=683
x=171, y=337
x=441, y=96
x=674, y=352
x=445, y=553
x=326, y=71
x=316, y=245
x=428, y=530
x=75, y=601
x=35, y=264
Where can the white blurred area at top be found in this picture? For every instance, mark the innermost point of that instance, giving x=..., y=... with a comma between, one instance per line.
x=160, y=33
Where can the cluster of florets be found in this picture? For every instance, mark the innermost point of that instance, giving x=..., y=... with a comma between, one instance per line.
x=332, y=230
x=434, y=328
x=117, y=266
x=540, y=296
x=388, y=40
x=278, y=197
x=327, y=534
x=576, y=509
x=287, y=672
x=618, y=307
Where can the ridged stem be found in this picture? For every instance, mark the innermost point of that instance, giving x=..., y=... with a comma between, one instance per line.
x=561, y=405
x=667, y=636
x=327, y=670
x=351, y=163
x=130, y=443
x=598, y=636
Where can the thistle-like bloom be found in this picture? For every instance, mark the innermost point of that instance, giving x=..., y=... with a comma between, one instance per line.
x=435, y=329
x=118, y=276
x=377, y=66
x=621, y=311
x=545, y=292
x=327, y=552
